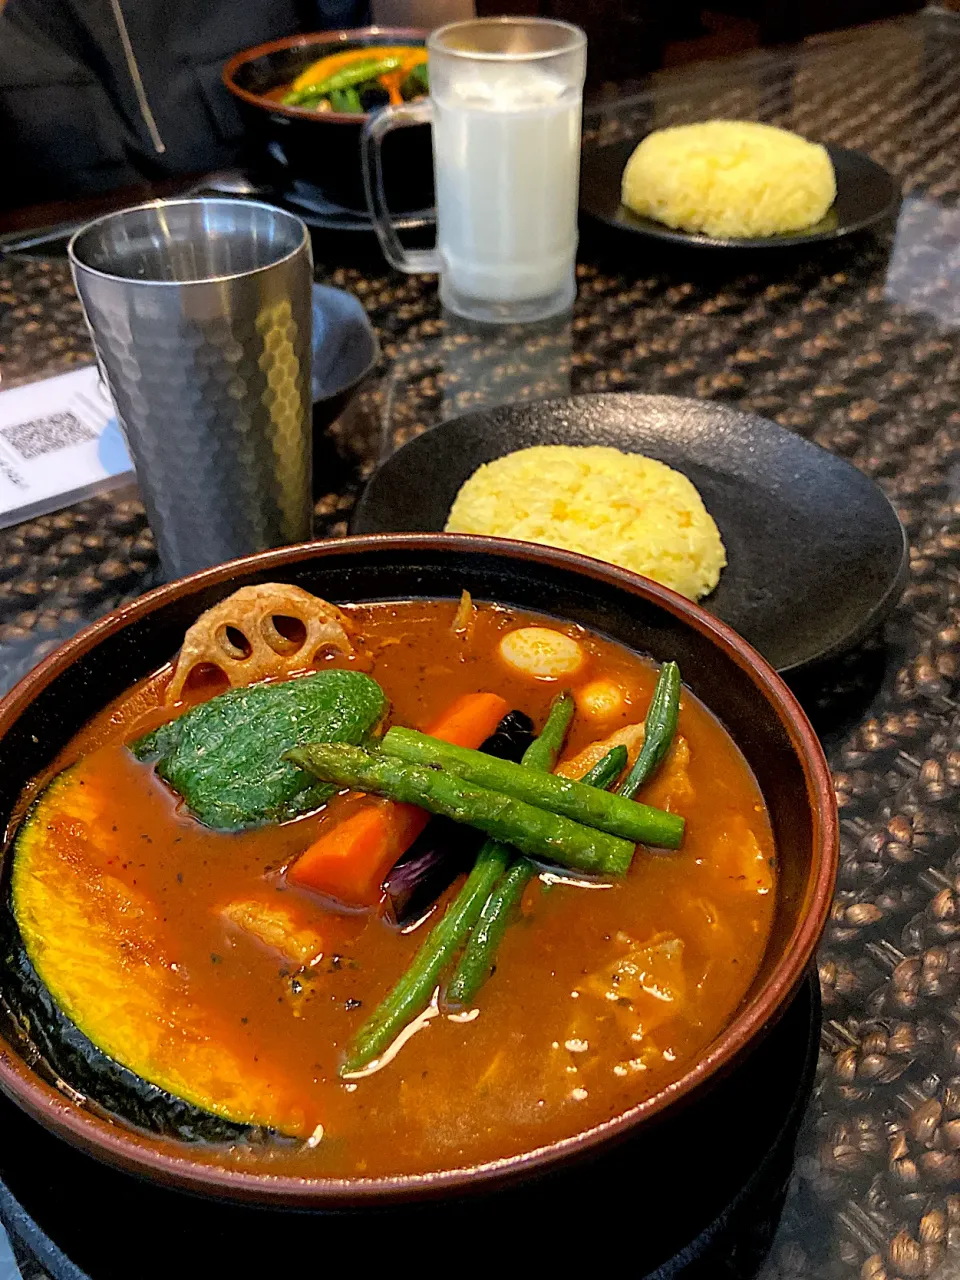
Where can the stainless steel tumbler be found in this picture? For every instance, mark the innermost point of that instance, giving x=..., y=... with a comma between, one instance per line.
x=200, y=312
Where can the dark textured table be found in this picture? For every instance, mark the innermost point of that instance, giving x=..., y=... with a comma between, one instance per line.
x=854, y=346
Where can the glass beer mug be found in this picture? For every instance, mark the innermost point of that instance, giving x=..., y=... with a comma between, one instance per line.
x=505, y=104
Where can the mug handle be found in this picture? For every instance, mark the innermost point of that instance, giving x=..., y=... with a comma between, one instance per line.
x=413, y=261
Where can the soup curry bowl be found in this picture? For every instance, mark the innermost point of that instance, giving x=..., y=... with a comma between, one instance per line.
x=620, y=619
x=309, y=153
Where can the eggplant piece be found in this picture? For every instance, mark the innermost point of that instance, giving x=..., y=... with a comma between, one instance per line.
x=373, y=96
x=224, y=756
x=88, y=982
x=511, y=737
x=416, y=84
x=442, y=851
x=445, y=849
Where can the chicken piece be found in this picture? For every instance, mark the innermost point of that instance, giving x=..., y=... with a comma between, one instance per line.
x=258, y=632
x=737, y=856
x=276, y=928
x=630, y=736
x=670, y=787
x=646, y=986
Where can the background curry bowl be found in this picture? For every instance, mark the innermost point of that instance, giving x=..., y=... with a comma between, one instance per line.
x=314, y=154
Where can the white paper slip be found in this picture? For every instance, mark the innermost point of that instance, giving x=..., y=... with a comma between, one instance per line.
x=59, y=442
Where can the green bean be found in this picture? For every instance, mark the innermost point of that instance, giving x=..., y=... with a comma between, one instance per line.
x=659, y=729
x=535, y=832
x=346, y=100
x=412, y=993
x=477, y=962
x=346, y=78
x=415, y=987
x=614, y=814
x=607, y=770
x=543, y=752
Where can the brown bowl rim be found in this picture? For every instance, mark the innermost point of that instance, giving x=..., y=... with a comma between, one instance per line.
x=164, y=1160
x=391, y=35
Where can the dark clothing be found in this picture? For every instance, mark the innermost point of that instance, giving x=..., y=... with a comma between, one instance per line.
x=97, y=94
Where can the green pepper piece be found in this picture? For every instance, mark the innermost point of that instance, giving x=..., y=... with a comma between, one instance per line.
x=224, y=756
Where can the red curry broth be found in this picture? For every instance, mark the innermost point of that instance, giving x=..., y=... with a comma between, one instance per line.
x=601, y=996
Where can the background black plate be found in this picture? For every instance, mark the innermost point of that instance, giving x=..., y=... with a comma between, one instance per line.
x=817, y=556
x=345, y=348
x=866, y=193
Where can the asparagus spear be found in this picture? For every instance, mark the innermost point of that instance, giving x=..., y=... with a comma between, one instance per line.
x=534, y=831
x=617, y=815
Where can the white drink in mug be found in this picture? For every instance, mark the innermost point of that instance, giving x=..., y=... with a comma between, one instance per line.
x=506, y=107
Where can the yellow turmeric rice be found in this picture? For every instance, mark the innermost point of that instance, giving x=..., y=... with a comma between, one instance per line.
x=730, y=178
x=621, y=507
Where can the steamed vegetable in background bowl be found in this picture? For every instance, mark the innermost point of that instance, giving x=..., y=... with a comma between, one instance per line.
x=360, y=80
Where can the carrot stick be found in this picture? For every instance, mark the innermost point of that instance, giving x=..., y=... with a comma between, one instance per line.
x=474, y=716
x=350, y=859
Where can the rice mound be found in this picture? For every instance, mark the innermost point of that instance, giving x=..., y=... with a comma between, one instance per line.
x=621, y=507
x=730, y=178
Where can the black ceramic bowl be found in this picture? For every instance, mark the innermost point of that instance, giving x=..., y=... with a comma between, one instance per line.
x=60, y=695
x=294, y=146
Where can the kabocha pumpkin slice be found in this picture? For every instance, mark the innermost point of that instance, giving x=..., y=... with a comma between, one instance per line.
x=258, y=632
x=92, y=980
x=224, y=757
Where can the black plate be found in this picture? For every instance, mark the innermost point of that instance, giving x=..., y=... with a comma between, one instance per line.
x=345, y=348
x=309, y=204
x=817, y=556
x=866, y=193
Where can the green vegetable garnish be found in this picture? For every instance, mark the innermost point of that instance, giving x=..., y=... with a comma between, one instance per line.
x=478, y=960
x=543, y=753
x=660, y=727
x=347, y=78
x=479, y=955
x=607, y=770
x=412, y=993
x=225, y=756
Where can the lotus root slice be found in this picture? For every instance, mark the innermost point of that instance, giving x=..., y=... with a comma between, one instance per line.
x=240, y=636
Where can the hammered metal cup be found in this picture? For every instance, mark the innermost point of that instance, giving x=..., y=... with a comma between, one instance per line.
x=200, y=312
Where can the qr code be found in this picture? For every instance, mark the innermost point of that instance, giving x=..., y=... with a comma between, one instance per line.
x=46, y=435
